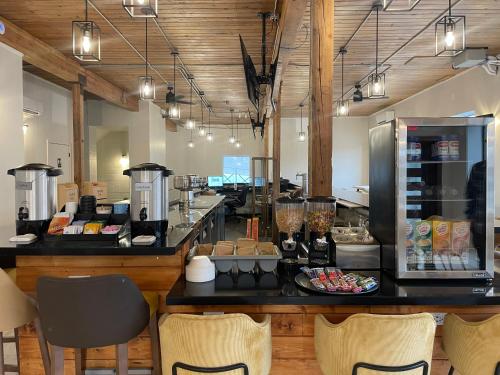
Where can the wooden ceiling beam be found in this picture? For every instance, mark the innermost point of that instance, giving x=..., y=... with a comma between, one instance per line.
x=291, y=16
x=56, y=64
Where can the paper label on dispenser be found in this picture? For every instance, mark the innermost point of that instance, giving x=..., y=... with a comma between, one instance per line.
x=143, y=186
x=24, y=185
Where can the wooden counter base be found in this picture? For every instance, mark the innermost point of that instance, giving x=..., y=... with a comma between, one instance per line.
x=293, y=329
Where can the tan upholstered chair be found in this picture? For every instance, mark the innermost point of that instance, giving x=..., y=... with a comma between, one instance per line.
x=473, y=348
x=227, y=343
x=16, y=310
x=399, y=344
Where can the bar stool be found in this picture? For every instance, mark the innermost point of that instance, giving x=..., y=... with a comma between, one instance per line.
x=385, y=343
x=212, y=344
x=16, y=310
x=90, y=312
x=473, y=348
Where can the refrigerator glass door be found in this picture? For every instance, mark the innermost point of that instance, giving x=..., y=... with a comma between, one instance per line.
x=444, y=200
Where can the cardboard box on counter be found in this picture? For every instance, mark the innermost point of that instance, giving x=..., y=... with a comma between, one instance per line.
x=66, y=192
x=97, y=188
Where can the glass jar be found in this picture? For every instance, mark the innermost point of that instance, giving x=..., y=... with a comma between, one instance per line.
x=289, y=215
x=321, y=214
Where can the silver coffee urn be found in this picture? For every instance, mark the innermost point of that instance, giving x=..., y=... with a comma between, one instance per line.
x=149, y=199
x=36, y=197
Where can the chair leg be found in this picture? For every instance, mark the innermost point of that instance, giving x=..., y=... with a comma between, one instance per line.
x=2, y=360
x=44, y=348
x=57, y=361
x=16, y=340
x=122, y=359
x=155, y=344
x=452, y=370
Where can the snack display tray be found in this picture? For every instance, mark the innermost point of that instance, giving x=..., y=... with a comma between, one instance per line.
x=303, y=281
x=245, y=263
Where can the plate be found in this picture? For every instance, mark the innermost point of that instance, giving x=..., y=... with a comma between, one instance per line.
x=304, y=282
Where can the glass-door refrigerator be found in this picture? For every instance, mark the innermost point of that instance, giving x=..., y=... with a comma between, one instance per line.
x=432, y=196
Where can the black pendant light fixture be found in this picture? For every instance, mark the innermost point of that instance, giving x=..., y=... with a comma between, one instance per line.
x=450, y=34
x=343, y=105
x=190, y=123
x=400, y=5
x=232, y=139
x=86, y=39
x=210, y=136
x=202, y=130
x=173, y=110
x=376, y=81
x=141, y=8
x=237, y=144
x=147, y=83
x=302, y=134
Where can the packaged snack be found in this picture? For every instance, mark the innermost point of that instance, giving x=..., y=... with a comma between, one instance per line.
x=460, y=236
x=441, y=235
x=318, y=284
x=92, y=228
x=309, y=272
x=440, y=149
x=59, y=222
x=423, y=240
x=410, y=241
x=111, y=229
x=73, y=229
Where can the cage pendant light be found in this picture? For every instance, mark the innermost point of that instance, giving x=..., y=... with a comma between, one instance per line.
x=450, y=34
x=210, y=136
x=202, y=130
x=190, y=123
x=237, y=143
x=174, y=112
x=147, y=88
x=376, y=81
x=232, y=139
x=86, y=39
x=400, y=5
x=191, y=143
x=342, y=105
x=141, y=8
x=302, y=134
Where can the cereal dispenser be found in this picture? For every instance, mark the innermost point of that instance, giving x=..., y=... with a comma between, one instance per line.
x=289, y=219
x=320, y=220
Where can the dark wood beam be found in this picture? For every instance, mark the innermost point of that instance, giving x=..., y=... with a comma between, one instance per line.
x=78, y=134
x=321, y=98
x=48, y=59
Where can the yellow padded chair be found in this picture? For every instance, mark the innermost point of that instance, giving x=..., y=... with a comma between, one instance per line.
x=375, y=344
x=222, y=343
x=473, y=348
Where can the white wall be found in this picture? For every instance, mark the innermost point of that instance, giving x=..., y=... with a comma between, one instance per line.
x=350, y=151
x=473, y=90
x=55, y=123
x=11, y=127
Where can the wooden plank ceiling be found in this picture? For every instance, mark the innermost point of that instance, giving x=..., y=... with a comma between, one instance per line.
x=205, y=32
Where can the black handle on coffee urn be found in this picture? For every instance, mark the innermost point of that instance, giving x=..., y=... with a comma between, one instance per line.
x=143, y=214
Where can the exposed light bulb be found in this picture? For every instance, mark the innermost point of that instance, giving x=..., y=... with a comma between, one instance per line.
x=210, y=137
x=377, y=86
x=201, y=131
x=449, y=39
x=232, y=139
x=191, y=144
x=141, y=2
x=302, y=136
x=86, y=41
x=343, y=109
x=25, y=128
x=190, y=124
x=124, y=161
x=174, y=111
x=238, y=144
x=146, y=89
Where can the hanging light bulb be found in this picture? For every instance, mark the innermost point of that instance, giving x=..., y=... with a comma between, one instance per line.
x=237, y=138
x=146, y=83
x=376, y=81
x=191, y=143
x=232, y=138
x=141, y=8
x=450, y=34
x=210, y=136
x=190, y=123
x=237, y=144
x=342, y=105
x=174, y=111
x=202, y=131
x=302, y=135
x=86, y=39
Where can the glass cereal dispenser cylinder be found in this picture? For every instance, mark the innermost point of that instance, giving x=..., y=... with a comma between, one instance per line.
x=321, y=215
x=289, y=219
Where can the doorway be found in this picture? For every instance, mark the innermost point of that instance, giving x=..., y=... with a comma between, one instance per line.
x=59, y=156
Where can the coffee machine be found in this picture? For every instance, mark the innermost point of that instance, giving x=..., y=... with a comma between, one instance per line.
x=320, y=220
x=36, y=197
x=290, y=220
x=148, y=199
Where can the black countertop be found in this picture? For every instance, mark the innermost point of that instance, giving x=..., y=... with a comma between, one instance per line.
x=176, y=237
x=280, y=289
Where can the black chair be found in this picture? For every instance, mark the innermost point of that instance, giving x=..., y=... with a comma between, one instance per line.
x=235, y=201
x=90, y=312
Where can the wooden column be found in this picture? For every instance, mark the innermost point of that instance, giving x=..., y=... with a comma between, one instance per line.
x=321, y=98
x=78, y=134
x=276, y=162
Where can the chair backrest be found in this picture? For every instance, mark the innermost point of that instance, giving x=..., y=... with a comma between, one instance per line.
x=16, y=309
x=216, y=341
x=385, y=340
x=91, y=312
x=473, y=348
x=243, y=195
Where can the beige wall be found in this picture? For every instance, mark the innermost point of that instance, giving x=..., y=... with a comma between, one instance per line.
x=11, y=127
x=473, y=90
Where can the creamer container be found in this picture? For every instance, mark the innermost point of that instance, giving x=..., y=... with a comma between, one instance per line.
x=454, y=147
x=440, y=149
x=414, y=149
